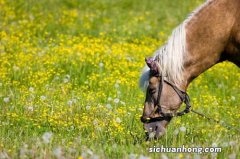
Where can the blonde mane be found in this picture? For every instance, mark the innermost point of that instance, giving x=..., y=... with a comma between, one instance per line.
x=170, y=56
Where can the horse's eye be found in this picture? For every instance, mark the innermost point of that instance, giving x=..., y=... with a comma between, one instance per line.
x=152, y=90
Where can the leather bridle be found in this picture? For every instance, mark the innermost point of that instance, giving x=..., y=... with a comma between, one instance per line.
x=166, y=116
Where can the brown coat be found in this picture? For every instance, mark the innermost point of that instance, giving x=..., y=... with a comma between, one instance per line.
x=213, y=35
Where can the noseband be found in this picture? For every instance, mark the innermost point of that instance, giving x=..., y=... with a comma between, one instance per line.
x=166, y=116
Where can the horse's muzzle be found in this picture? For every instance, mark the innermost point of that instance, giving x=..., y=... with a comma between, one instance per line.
x=154, y=130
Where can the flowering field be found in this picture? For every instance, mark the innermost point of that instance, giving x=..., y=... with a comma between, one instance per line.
x=69, y=75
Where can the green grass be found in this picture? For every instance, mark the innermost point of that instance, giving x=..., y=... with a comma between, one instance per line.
x=71, y=68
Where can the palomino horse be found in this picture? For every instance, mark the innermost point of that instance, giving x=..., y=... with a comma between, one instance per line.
x=210, y=35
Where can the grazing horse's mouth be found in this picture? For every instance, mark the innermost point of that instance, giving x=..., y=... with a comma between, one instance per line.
x=155, y=130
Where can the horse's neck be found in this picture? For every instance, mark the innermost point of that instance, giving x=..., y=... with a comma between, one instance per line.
x=207, y=35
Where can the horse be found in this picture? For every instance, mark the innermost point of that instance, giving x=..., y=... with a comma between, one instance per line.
x=211, y=34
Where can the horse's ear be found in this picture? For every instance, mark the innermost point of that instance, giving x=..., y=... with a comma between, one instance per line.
x=152, y=65
x=149, y=62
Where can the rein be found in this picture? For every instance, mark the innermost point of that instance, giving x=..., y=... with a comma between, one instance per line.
x=222, y=123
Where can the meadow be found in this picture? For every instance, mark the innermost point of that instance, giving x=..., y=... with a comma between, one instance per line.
x=69, y=74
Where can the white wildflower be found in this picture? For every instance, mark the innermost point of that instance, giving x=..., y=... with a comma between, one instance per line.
x=23, y=151
x=175, y=132
x=232, y=156
x=116, y=85
x=83, y=155
x=31, y=89
x=182, y=129
x=118, y=120
x=101, y=64
x=58, y=152
x=196, y=156
x=88, y=107
x=67, y=76
x=225, y=144
x=56, y=78
x=95, y=157
x=16, y=68
x=74, y=101
x=43, y=98
x=109, y=106
x=65, y=80
x=95, y=122
x=116, y=100
x=99, y=128
x=70, y=102
x=132, y=156
x=143, y=157
x=163, y=156
x=6, y=99
x=30, y=108
x=214, y=144
x=47, y=137
x=232, y=143
x=233, y=98
x=89, y=152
